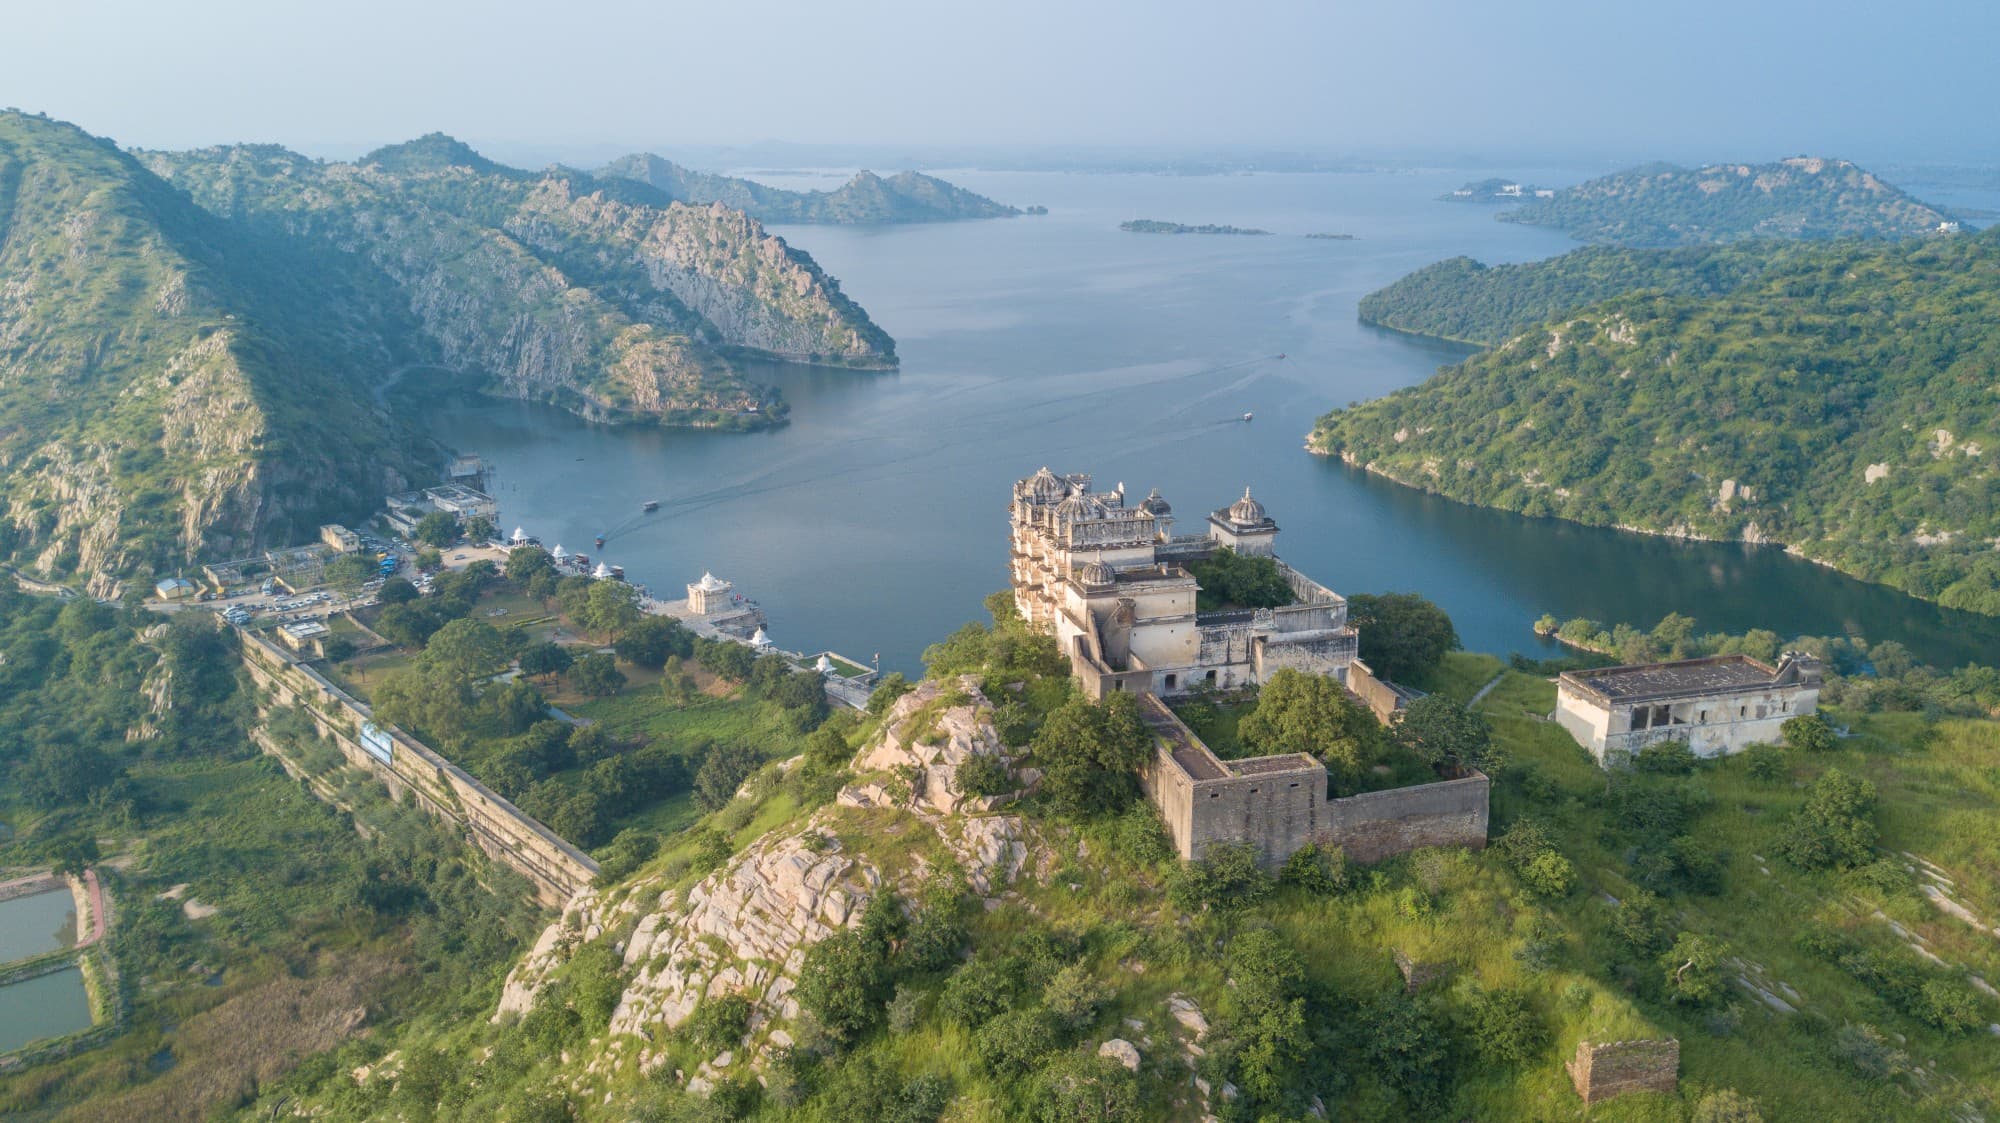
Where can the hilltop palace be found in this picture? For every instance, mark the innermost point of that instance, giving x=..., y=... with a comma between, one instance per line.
x=1111, y=582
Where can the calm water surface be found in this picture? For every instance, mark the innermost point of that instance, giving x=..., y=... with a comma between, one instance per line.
x=33, y=925
x=45, y=1006
x=876, y=520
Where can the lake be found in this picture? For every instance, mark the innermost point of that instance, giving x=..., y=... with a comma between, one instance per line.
x=35, y=924
x=876, y=520
x=48, y=1005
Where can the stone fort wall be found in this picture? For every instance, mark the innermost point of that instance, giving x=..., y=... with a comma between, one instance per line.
x=509, y=835
x=1279, y=804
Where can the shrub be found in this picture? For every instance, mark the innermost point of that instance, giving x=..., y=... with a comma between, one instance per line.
x=718, y=1023
x=1809, y=732
x=596, y=675
x=1548, y=874
x=1640, y=921
x=1142, y=837
x=722, y=773
x=1667, y=758
x=1081, y=1087
x=1320, y=871
x=1835, y=828
x=842, y=983
x=1010, y=1044
x=891, y=687
x=1226, y=877
x=975, y=993
x=1444, y=734
x=983, y=774
x=1074, y=996
x=1950, y=1005
x=1504, y=1027
x=1727, y=1105
x=1765, y=762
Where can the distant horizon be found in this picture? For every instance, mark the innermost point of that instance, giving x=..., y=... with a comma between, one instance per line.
x=1427, y=81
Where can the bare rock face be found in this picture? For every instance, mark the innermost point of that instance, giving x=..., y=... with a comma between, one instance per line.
x=928, y=734
x=1122, y=1051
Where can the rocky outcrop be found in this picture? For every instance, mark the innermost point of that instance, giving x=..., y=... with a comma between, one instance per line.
x=745, y=929
x=926, y=737
x=866, y=199
x=551, y=286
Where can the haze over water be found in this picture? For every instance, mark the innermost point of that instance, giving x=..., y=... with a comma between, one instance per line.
x=876, y=520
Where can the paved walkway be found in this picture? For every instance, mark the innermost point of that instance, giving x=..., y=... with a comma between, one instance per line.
x=1485, y=690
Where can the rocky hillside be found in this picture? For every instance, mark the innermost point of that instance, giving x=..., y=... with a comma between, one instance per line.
x=867, y=199
x=555, y=285
x=169, y=385
x=1837, y=400
x=1664, y=205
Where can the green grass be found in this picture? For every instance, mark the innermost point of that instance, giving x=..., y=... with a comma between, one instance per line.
x=1460, y=675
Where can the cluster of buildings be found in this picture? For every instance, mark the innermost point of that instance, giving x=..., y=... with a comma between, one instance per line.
x=1111, y=581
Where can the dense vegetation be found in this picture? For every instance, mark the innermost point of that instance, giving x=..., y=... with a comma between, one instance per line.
x=866, y=199
x=1463, y=300
x=1664, y=205
x=245, y=909
x=174, y=386
x=1839, y=403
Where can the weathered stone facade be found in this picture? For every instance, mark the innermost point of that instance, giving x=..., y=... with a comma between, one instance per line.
x=1279, y=803
x=1110, y=581
x=509, y=835
x=1603, y=1070
x=1718, y=705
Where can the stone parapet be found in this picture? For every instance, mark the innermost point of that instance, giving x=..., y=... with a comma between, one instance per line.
x=1606, y=1069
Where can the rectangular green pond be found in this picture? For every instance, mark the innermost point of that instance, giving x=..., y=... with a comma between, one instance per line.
x=45, y=1006
x=35, y=924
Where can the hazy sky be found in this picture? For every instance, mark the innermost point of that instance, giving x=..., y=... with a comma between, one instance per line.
x=1674, y=78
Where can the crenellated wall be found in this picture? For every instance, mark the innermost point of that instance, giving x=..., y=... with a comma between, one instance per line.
x=557, y=869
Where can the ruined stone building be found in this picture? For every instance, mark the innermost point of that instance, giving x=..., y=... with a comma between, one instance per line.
x=1718, y=705
x=1111, y=581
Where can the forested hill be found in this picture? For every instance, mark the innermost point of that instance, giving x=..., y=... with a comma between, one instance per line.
x=171, y=385
x=867, y=199
x=1842, y=403
x=1469, y=302
x=1664, y=205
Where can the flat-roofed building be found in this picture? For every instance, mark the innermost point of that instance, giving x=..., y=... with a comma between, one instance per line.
x=340, y=538
x=1718, y=705
x=307, y=637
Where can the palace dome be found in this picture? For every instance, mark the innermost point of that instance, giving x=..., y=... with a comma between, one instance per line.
x=1154, y=505
x=1096, y=574
x=1079, y=507
x=1045, y=487
x=1247, y=510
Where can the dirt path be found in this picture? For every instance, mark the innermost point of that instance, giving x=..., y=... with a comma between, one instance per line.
x=1485, y=690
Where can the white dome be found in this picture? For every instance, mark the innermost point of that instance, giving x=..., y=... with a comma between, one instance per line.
x=1096, y=575
x=602, y=572
x=760, y=639
x=520, y=535
x=1045, y=487
x=559, y=553
x=710, y=583
x=1246, y=510
x=824, y=666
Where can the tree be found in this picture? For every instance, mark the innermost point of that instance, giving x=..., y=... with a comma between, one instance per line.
x=438, y=529
x=722, y=773
x=1311, y=714
x=525, y=563
x=597, y=675
x=397, y=590
x=1444, y=734
x=465, y=651
x=62, y=773
x=1228, y=579
x=609, y=608
x=650, y=641
x=1694, y=968
x=843, y=982
x=1320, y=871
x=480, y=529
x=1227, y=876
x=349, y=572
x=1403, y=636
x=1809, y=733
x=71, y=854
x=1835, y=828
x=892, y=686
x=1504, y=1027
x=406, y=625
x=541, y=660
x=1090, y=752
x=1010, y=1044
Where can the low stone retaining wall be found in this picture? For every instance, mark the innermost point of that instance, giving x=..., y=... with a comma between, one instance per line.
x=509, y=835
x=1377, y=825
x=1603, y=1070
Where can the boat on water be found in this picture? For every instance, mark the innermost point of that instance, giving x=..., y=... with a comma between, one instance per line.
x=1247, y=415
x=650, y=505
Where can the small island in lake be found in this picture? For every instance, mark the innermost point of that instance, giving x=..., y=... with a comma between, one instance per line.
x=1496, y=190
x=1333, y=237
x=1153, y=226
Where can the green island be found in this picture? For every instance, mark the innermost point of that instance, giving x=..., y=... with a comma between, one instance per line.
x=197, y=344
x=1492, y=190
x=1154, y=226
x=866, y=199
x=1826, y=397
x=1666, y=205
x=1759, y=909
